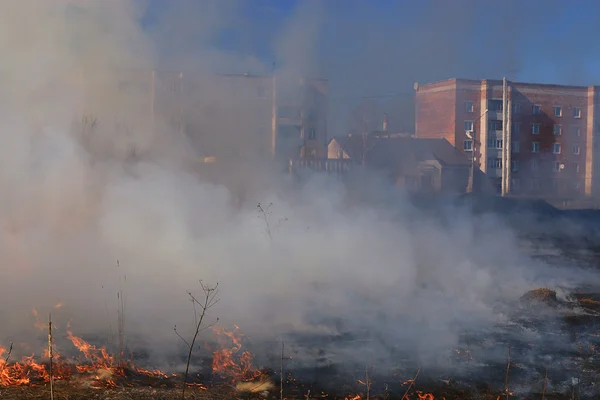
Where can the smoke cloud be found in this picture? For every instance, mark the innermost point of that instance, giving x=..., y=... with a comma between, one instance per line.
x=76, y=199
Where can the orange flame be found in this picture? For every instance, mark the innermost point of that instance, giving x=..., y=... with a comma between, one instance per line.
x=232, y=362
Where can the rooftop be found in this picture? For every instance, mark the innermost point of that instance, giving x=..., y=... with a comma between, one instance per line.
x=454, y=81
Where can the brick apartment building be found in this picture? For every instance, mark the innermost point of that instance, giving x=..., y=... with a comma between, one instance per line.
x=241, y=114
x=223, y=116
x=553, y=132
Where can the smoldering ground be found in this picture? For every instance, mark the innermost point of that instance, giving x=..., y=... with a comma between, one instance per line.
x=75, y=202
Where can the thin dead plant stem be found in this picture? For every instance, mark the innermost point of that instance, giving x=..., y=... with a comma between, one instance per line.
x=50, y=356
x=281, y=372
x=368, y=382
x=507, y=369
x=412, y=383
x=7, y=358
x=200, y=309
x=545, y=383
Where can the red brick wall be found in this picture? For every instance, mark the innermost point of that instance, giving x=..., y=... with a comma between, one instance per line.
x=463, y=95
x=436, y=112
x=569, y=181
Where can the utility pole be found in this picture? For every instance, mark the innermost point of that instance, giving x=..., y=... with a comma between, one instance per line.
x=471, y=135
x=504, y=186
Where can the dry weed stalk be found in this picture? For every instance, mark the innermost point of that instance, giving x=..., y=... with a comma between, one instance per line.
x=507, y=369
x=10, y=349
x=545, y=382
x=121, y=322
x=368, y=382
x=210, y=299
x=50, y=355
x=412, y=382
x=281, y=372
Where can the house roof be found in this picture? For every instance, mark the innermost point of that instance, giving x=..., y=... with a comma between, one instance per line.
x=393, y=152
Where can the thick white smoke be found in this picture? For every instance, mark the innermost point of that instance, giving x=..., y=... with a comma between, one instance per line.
x=72, y=205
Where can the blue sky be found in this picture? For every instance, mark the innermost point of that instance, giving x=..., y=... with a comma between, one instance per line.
x=381, y=47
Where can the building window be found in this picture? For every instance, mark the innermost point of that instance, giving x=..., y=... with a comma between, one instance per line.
x=557, y=111
x=576, y=167
x=495, y=105
x=535, y=147
x=576, y=131
x=468, y=126
x=515, y=165
x=515, y=146
x=494, y=143
x=535, y=165
x=557, y=130
x=537, y=109
x=469, y=106
x=576, y=149
x=312, y=133
x=468, y=145
x=535, y=129
x=556, y=148
x=494, y=125
x=535, y=184
x=494, y=162
x=516, y=108
x=556, y=166
x=577, y=112
x=516, y=128
x=515, y=184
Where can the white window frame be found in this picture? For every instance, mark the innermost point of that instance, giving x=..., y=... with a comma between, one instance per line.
x=515, y=166
x=535, y=131
x=557, y=128
x=536, y=107
x=577, y=112
x=494, y=163
x=495, y=144
x=468, y=148
x=577, y=131
x=472, y=126
x=556, y=166
x=560, y=111
x=554, y=148
x=471, y=108
x=534, y=148
x=535, y=165
x=576, y=149
x=576, y=167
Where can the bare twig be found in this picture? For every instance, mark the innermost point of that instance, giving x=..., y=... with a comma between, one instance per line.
x=368, y=382
x=507, y=369
x=281, y=372
x=545, y=382
x=121, y=322
x=10, y=348
x=412, y=382
x=50, y=355
x=265, y=213
x=209, y=300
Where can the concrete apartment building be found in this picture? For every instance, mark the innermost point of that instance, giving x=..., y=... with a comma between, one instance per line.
x=551, y=131
x=244, y=115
